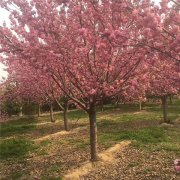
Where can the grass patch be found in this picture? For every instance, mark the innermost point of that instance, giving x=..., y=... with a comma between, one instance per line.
x=42, y=152
x=51, y=178
x=173, y=109
x=77, y=114
x=170, y=146
x=52, y=172
x=16, y=175
x=54, y=168
x=152, y=135
x=44, y=146
x=121, y=107
x=15, y=148
x=79, y=143
x=7, y=129
x=45, y=142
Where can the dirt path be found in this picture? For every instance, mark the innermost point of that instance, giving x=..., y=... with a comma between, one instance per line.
x=61, y=133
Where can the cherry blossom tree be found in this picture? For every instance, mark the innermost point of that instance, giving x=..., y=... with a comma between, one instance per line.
x=163, y=81
x=89, y=48
x=34, y=86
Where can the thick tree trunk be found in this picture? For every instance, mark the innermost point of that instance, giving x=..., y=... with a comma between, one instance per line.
x=20, y=113
x=164, y=106
x=66, y=126
x=51, y=113
x=93, y=132
x=39, y=110
x=140, y=106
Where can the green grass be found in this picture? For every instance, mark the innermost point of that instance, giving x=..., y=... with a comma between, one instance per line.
x=51, y=178
x=50, y=173
x=26, y=120
x=172, y=110
x=45, y=143
x=28, y=124
x=54, y=168
x=16, y=148
x=16, y=175
x=150, y=138
x=17, y=127
x=141, y=128
x=122, y=107
x=143, y=136
x=12, y=129
x=75, y=115
x=78, y=143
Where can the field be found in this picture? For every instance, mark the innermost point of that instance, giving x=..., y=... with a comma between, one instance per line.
x=35, y=148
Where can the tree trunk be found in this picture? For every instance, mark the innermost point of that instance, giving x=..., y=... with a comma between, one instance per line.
x=117, y=104
x=66, y=126
x=170, y=98
x=64, y=108
x=93, y=132
x=140, y=106
x=164, y=106
x=39, y=110
x=102, y=106
x=51, y=113
x=20, y=113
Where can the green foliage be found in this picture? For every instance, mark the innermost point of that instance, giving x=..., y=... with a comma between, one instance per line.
x=16, y=148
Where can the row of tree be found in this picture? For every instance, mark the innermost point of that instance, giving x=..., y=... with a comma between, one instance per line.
x=85, y=51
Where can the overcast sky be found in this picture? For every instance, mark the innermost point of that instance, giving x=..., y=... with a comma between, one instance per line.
x=4, y=17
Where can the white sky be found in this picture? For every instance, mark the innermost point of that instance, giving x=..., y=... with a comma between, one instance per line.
x=4, y=17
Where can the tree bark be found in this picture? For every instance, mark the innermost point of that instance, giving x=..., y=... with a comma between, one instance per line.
x=51, y=113
x=39, y=110
x=20, y=113
x=164, y=106
x=117, y=104
x=140, y=106
x=93, y=132
x=66, y=126
x=64, y=108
